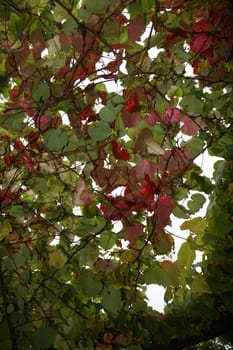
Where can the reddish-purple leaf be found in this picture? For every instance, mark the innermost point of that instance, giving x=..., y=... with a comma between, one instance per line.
x=164, y=207
x=200, y=43
x=132, y=233
x=136, y=28
x=171, y=116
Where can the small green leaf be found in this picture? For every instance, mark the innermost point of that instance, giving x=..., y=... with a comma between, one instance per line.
x=55, y=139
x=179, y=52
x=196, y=145
x=14, y=122
x=180, y=212
x=107, y=239
x=38, y=184
x=44, y=338
x=57, y=259
x=196, y=202
x=10, y=308
x=5, y=229
x=111, y=299
x=107, y=114
x=155, y=275
x=69, y=26
x=40, y=92
x=99, y=131
x=199, y=285
x=98, y=7
x=186, y=255
x=90, y=284
x=19, y=260
x=192, y=104
x=196, y=225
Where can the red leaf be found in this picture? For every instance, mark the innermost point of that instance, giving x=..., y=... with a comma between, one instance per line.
x=123, y=154
x=62, y=72
x=9, y=159
x=175, y=161
x=82, y=195
x=116, y=146
x=5, y=138
x=142, y=168
x=43, y=122
x=200, y=43
x=136, y=28
x=171, y=116
x=28, y=162
x=189, y=126
x=132, y=105
x=152, y=118
x=165, y=205
x=119, y=153
x=7, y=196
x=65, y=39
x=203, y=26
x=132, y=233
x=19, y=145
x=129, y=119
x=14, y=93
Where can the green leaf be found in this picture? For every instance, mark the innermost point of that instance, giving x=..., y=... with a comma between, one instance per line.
x=99, y=131
x=111, y=299
x=5, y=229
x=55, y=139
x=223, y=147
x=13, y=122
x=19, y=260
x=172, y=20
x=192, y=104
x=186, y=255
x=44, y=338
x=199, y=285
x=69, y=26
x=40, y=92
x=107, y=114
x=87, y=226
x=196, y=145
x=196, y=225
x=107, y=239
x=180, y=212
x=57, y=259
x=18, y=211
x=38, y=184
x=98, y=7
x=10, y=308
x=90, y=284
x=155, y=275
x=180, y=52
x=196, y=202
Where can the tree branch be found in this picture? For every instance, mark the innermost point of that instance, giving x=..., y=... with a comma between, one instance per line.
x=13, y=336
x=217, y=328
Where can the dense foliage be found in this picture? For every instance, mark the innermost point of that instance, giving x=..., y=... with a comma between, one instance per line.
x=105, y=105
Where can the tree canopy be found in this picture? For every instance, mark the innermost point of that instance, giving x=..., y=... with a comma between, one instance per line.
x=105, y=106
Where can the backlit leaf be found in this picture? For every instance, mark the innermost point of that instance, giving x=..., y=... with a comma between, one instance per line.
x=196, y=225
x=5, y=229
x=186, y=255
x=111, y=299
